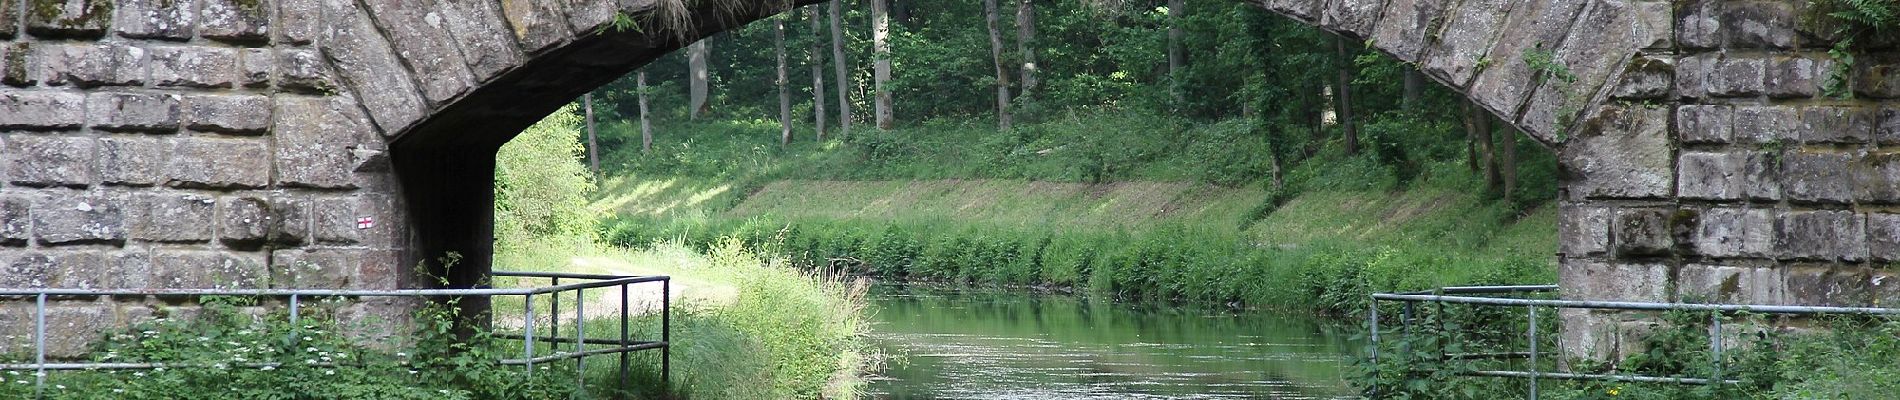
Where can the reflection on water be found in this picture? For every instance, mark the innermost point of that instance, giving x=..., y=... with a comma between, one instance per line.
x=982, y=344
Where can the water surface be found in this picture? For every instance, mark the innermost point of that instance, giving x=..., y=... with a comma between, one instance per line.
x=995, y=344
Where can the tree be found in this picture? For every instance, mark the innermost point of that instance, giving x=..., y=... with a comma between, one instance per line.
x=1002, y=74
x=1481, y=124
x=1177, y=58
x=840, y=64
x=1508, y=166
x=1343, y=95
x=816, y=57
x=784, y=82
x=697, y=76
x=646, y=126
x=1414, y=84
x=1026, y=44
x=881, y=66
x=593, y=141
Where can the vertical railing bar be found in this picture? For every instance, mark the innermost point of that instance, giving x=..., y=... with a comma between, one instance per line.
x=1372, y=321
x=39, y=346
x=1715, y=347
x=1533, y=366
x=527, y=336
x=1405, y=329
x=666, y=335
x=623, y=339
x=554, y=315
x=580, y=341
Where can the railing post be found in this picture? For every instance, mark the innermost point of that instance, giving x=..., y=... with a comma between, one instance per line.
x=527, y=335
x=554, y=315
x=39, y=346
x=580, y=341
x=666, y=336
x=1715, y=347
x=1533, y=335
x=294, y=328
x=623, y=340
x=1372, y=321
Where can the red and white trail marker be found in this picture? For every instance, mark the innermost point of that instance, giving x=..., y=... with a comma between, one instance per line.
x=365, y=223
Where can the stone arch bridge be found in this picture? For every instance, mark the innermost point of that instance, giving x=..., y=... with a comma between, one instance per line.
x=336, y=143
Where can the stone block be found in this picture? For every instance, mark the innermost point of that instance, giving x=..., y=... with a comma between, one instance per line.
x=1737, y=76
x=32, y=109
x=591, y=15
x=1464, y=40
x=364, y=59
x=1646, y=78
x=1759, y=24
x=1887, y=130
x=422, y=39
x=1591, y=56
x=1821, y=285
x=77, y=218
x=90, y=65
x=1622, y=152
x=304, y=71
x=172, y=217
x=316, y=268
x=1594, y=280
x=290, y=218
x=538, y=25
x=1734, y=232
x=1761, y=175
x=1693, y=73
x=79, y=19
x=9, y=22
x=254, y=67
x=244, y=221
x=129, y=270
x=13, y=64
x=130, y=161
x=315, y=139
x=1817, y=177
x=239, y=21
x=1883, y=237
x=1704, y=124
x=63, y=269
x=41, y=161
x=299, y=22
x=1877, y=179
x=193, y=66
x=1766, y=124
x=239, y=114
x=1836, y=124
x=211, y=163
x=78, y=327
x=1657, y=22
x=1710, y=176
x=1791, y=78
x=1583, y=230
x=189, y=269
x=1699, y=24
x=16, y=223
x=1508, y=81
x=140, y=112
x=1405, y=29
x=1717, y=284
x=1643, y=232
x=1877, y=77
x=1822, y=235
x=485, y=45
x=156, y=19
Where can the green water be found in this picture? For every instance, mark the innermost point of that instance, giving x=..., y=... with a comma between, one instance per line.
x=989, y=344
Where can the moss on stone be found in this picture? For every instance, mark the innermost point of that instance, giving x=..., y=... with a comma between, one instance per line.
x=51, y=13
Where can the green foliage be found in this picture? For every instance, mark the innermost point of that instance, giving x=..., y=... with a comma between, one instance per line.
x=541, y=187
x=1854, y=23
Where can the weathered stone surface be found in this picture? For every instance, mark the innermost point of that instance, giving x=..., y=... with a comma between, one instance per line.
x=130, y=161
x=589, y=15
x=1734, y=232
x=124, y=111
x=314, y=142
x=1822, y=235
x=538, y=25
x=1646, y=78
x=1883, y=237
x=1403, y=31
x=202, y=67
x=1508, y=80
x=1657, y=19
x=90, y=66
x=13, y=64
x=1590, y=57
x=1817, y=177
x=156, y=19
x=1699, y=25
x=1791, y=78
x=1692, y=74
x=244, y=221
x=1887, y=131
x=79, y=326
x=1820, y=285
x=304, y=71
x=1831, y=124
x=1595, y=280
x=1877, y=76
x=170, y=217
x=1766, y=124
x=16, y=223
x=420, y=35
x=1583, y=230
x=1463, y=42
x=9, y=17
x=289, y=220
x=186, y=269
x=1709, y=176
x=299, y=22
x=218, y=163
x=35, y=160
x=1704, y=283
x=485, y=44
x=1736, y=76
x=85, y=19
x=255, y=67
x=366, y=63
x=314, y=269
x=1877, y=179
x=79, y=218
x=1623, y=152
x=1643, y=232
x=41, y=109
x=1761, y=175
x=242, y=114
x=1704, y=124
x=241, y=21
x=1759, y=24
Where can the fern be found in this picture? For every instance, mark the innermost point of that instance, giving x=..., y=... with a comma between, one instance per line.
x=1856, y=21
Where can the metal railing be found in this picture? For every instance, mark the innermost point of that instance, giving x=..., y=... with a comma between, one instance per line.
x=1453, y=295
x=295, y=298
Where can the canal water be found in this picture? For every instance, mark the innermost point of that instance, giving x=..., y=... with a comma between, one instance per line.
x=994, y=344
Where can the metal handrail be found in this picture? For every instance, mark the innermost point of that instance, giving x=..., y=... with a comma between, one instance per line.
x=1440, y=296
x=623, y=346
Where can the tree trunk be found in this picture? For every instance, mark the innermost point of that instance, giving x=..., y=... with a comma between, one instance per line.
x=1177, y=58
x=816, y=57
x=901, y=12
x=1485, y=144
x=1343, y=96
x=1471, y=136
x=881, y=67
x=593, y=144
x=697, y=77
x=784, y=82
x=1002, y=74
x=840, y=64
x=646, y=126
x=1026, y=45
x=1414, y=85
x=1508, y=165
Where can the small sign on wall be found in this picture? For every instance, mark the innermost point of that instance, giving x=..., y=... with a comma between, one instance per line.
x=365, y=223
